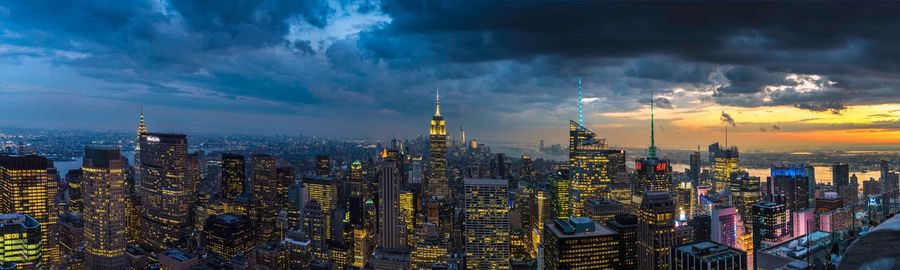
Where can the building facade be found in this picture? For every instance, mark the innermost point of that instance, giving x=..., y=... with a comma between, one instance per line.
x=104, y=189
x=486, y=224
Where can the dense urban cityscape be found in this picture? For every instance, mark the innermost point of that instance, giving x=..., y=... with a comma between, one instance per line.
x=445, y=201
x=449, y=135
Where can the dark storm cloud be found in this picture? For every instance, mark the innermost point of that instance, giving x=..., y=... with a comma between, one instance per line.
x=494, y=60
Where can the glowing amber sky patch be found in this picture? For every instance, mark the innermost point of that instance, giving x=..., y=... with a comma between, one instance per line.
x=686, y=127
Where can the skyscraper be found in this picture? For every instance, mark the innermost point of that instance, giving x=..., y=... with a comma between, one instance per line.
x=725, y=162
x=229, y=234
x=390, y=219
x=580, y=243
x=588, y=165
x=28, y=185
x=437, y=185
x=165, y=190
x=104, y=201
x=358, y=193
x=323, y=166
x=653, y=174
x=486, y=224
x=745, y=191
x=233, y=175
x=771, y=224
x=625, y=226
x=265, y=194
x=315, y=229
x=22, y=242
x=724, y=225
x=141, y=133
x=559, y=195
x=324, y=191
x=793, y=182
x=695, y=167
x=656, y=231
x=840, y=174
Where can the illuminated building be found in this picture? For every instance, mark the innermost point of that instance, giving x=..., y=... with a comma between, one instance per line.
x=724, y=226
x=745, y=192
x=437, y=185
x=22, y=241
x=104, y=201
x=360, y=246
x=725, y=162
x=601, y=210
x=540, y=208
x=165, y=190
x=588, y=162
x=653, y=176
x=579, y=243
x=793, y=182
x=407, y=210
x=71, y=240
x=708, y=255
x=528, y=174
x=803, y=221
x=430, y=248
x=486, y=224
x=315, y=229
x=685, y=199
x=265, y=194
x=296, y=201
x=73, y=195
x=28, y=185
x=285, y=178
x=358, y=193
x=228, y=235
x=298, y=249
x=559, y=195
x=656, y=231
x=625, y=226
x=771, y=225
x=140, y=134
x=391, y=219
x=416, y=169
x=324, y=191
x=323, y=166
x=233, y=175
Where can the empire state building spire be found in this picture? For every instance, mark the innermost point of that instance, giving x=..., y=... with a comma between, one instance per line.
x=437, y=102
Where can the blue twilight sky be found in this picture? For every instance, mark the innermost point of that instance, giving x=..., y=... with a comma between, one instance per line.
x=506, y=70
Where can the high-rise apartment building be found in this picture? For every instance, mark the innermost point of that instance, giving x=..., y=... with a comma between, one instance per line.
x=104, y=189
x=28, y=185
x=486, y=224
x=580, y=243
x=392, y=235
x=165, y=190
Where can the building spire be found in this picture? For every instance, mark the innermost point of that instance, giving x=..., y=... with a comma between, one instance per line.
x=652, y=129
x=580, y=105
x=437, y=102
x=142, y=127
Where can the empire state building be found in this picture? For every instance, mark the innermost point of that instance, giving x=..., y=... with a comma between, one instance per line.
x=437, y=162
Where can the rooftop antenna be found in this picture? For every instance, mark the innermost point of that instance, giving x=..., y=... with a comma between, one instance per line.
x=580, y=105
x=437, y=102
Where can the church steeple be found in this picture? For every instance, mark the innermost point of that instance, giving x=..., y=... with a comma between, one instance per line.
x=652, y=129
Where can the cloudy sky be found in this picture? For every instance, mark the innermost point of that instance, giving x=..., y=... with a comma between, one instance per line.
x=814, y=74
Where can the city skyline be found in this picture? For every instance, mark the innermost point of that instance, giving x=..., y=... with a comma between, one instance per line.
x=773, y=77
